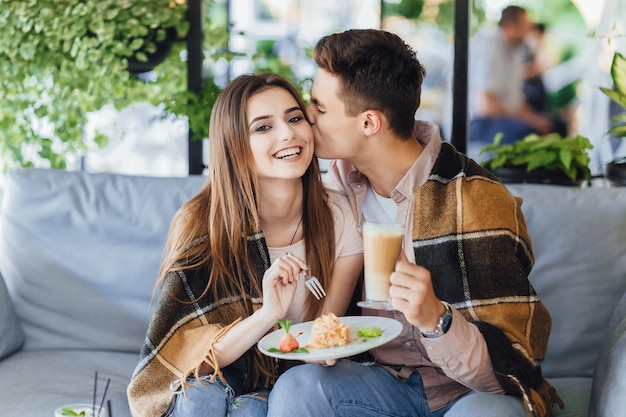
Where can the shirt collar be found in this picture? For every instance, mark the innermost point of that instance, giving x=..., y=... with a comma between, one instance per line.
x=427, y=134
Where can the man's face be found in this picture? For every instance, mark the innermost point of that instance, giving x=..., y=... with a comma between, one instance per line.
x=336, y=133
x=522, y=28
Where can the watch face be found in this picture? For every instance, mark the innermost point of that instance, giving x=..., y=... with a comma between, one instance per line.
x=442, y=327
x=446, y=321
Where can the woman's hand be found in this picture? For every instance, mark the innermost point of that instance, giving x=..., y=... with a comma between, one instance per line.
x=279, y=288
x=279, y=285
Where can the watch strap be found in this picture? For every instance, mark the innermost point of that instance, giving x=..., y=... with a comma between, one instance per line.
x=443, y=325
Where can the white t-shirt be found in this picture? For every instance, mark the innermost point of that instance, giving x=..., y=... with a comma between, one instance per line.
x=379, y=209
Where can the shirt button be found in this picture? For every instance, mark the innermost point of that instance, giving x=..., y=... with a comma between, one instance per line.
x=408, y=344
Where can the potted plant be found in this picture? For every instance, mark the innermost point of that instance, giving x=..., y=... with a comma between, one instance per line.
x=616, y=170
x=548, y=159
x=62, y=60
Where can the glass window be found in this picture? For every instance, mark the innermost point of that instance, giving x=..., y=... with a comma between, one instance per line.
x=278, y=35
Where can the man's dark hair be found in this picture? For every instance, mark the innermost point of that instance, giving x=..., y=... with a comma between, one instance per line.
x=376, y=70
x=511, y=15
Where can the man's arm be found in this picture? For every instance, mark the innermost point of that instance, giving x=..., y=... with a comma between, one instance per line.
x=491, y=106
x=461, y=352
x=462, y=355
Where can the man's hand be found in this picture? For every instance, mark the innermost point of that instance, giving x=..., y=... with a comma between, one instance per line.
x=412, y=294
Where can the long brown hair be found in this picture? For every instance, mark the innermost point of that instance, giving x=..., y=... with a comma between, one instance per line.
x=216, y=223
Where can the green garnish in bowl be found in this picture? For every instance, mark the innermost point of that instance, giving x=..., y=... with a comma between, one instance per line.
x=66, y=411
x=371, y=331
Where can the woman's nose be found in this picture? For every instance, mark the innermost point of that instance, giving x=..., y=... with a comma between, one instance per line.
x=285, y=132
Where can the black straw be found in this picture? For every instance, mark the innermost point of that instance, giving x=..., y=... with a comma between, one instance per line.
x=109, y=408
x=95, y=389
x=106, y=388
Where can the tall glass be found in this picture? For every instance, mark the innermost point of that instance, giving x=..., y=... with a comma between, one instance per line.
x=382, y=244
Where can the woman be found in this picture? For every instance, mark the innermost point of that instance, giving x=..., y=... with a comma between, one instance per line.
x=234, y=255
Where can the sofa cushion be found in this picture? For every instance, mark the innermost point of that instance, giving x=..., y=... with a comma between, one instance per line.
x=579, y=240
x=609, y=382
x=80, y=253
x=11, y=333
x=573, y=391
x=34, y=383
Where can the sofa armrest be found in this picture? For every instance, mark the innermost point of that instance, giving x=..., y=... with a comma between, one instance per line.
x=609, y=381
x=11, y=332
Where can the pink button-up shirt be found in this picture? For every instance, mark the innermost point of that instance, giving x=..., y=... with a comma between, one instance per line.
x=449, y=365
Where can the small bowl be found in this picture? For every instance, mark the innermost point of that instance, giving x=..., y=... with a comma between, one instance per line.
x=80, y=410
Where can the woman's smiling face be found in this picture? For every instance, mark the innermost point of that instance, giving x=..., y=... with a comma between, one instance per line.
x=281, y=139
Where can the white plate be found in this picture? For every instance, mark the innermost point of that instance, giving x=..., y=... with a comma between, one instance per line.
x=391, y=329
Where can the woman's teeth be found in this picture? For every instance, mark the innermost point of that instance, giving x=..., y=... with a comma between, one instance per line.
x=286, y=153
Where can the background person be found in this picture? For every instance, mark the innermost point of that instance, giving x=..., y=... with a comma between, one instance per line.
x=226, y=276
x=535, y=92
x=498, y=71
x=473, y=326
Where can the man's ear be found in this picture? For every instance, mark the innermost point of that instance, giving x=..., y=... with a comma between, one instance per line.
x=372, y=122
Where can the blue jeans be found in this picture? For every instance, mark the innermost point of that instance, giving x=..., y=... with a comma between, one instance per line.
x=350, y=389
x=219, y=400
x=485, y=130
x=480, y=404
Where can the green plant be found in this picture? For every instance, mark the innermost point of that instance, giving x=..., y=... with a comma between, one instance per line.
x=616, y=169
x=550, y=152
x=62, y=59
x=618, y=94
x=197, y=106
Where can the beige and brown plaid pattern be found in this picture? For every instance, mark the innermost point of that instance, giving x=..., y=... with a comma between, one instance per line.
x=470, y=233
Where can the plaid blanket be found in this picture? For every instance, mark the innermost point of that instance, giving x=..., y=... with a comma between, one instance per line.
x=469, y=231
x=181, y=336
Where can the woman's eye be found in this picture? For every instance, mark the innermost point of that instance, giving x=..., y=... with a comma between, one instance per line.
x=319, y=110
x=262, y=128
x=295, y=119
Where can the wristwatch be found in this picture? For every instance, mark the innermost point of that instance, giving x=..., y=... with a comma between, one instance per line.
x=443, y=324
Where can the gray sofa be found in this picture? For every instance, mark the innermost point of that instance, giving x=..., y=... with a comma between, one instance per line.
x=79, y=255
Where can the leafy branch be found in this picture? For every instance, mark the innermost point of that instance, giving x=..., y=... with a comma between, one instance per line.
x=62, y=59
x=550, y=152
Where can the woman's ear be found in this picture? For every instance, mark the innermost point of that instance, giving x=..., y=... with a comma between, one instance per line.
x=372, y=122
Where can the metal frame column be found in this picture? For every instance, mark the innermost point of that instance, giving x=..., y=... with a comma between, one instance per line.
x=194, y=78
x=460, y=76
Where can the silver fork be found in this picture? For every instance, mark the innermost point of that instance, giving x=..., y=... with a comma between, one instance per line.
x=313, y=284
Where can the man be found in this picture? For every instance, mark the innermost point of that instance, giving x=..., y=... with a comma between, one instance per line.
x=473, y=327
x=497, y=74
